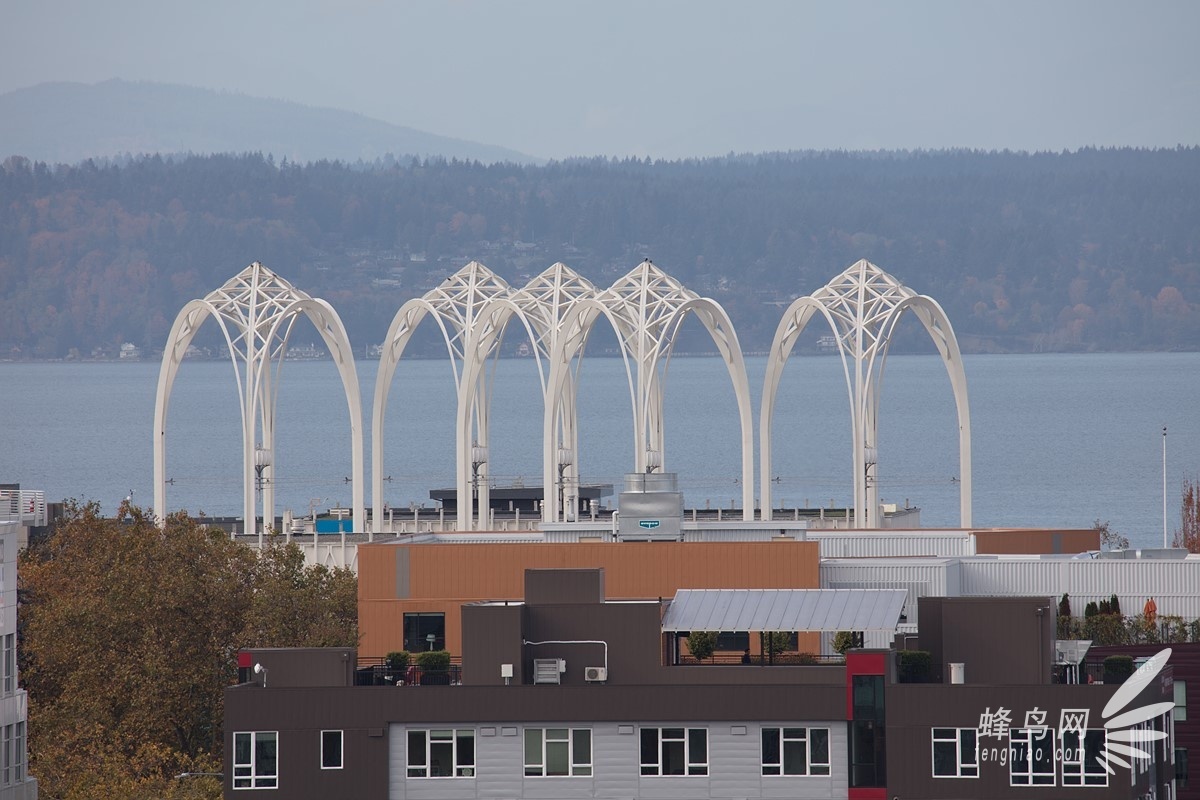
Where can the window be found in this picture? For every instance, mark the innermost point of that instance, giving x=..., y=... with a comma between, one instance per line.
x=18, y=753
x=674, y=751
x=331, y=749
x=1081, y=766
x=441, y=754
x=1180, y=701
x=730, y=641
x=10, y=662
x=8, y=753
x=955, y=753
x=552, y=752
x=418, y=628
x=1031, y=757
x=795, y=751
x=868, y=748
x=256, y=760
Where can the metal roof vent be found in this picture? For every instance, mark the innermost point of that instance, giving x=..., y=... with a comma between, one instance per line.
x=547, y=670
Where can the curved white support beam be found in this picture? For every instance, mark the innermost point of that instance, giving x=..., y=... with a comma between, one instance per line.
x=256, y=310
x=863, y=306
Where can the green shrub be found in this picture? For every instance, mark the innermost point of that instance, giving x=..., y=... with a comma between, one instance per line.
x=701, y=644
x=1064, y=605
x=845, y=640
x=434, y=660
x=1117, y=669
x=398, y=660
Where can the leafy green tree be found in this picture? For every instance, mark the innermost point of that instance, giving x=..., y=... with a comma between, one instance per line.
x=129, y=637
x=701, y=644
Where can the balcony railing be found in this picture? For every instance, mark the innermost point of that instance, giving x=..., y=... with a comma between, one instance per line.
x=377, y=672
x=762, y=659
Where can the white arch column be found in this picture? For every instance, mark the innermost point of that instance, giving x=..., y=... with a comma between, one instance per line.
x=256, y=310
x=863, y=306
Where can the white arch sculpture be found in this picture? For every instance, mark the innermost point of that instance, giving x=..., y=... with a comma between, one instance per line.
x=647, y=307
x=543, y=306
x=455, y=306
x=557, y=308
x=256, y=310
x=863, y=306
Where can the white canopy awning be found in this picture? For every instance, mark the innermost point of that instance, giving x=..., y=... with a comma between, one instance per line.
x=785, y=610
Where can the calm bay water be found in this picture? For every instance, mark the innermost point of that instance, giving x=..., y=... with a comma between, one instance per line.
x=1058, y=440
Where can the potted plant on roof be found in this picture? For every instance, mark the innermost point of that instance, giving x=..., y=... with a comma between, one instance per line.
x=397, y=663
x=435, y=667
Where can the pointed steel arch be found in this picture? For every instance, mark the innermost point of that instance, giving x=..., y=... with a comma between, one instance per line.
x=256, y=310
x=862, y=306
x=455, y=306
x=648, y=307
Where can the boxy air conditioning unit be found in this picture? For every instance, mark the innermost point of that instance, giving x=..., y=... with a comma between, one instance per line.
x=595, y=673
x=547, y=670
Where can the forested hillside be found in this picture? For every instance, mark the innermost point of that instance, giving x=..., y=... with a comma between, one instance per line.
x=1092, y=250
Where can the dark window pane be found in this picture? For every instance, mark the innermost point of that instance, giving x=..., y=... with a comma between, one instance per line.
x=533, y=749
x=818, y=745
x=672, y=758
x=416, y=748
x=466, y=749
x=331, y=749
x=770, y=746
x=944, y=763
x=795, y=757
x=698, y=746
x=418, y=627
x=649, y=746
x=581, y=747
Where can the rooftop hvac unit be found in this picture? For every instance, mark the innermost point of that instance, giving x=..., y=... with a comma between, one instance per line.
x=595, y=673
x=546, y=670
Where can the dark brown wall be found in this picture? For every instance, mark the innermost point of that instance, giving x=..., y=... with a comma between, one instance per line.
x=491, y=637
x=914, y=709
x=1184, y=664
x=364, y=712
x=563, y=586
x=1001, y=640
x=304, y=666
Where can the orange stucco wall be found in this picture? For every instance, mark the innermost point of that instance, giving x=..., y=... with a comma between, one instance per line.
x=441, y=577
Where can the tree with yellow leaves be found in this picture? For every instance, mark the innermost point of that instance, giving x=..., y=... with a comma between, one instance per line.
x=129, y=636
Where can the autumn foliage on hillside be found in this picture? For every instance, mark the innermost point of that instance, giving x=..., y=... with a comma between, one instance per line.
x=129, y=634
x=1092, y=250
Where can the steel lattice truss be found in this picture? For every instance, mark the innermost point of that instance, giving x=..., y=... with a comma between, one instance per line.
x=863, y=306
x=557, y=309
x=256, y=311
x=473, y=308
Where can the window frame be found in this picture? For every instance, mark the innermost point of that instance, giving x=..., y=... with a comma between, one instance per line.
x=955, y=737
x=1031, y=738
x=255, y=779
x=10, y=663
x=1079, y=773
x=420, y=644
x=341, y=749
x=459, y=768
x=573, y=739
x=1180, y=697
x=693, y=767
x=778, y=768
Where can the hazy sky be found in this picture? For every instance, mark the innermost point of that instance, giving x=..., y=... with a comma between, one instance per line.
x=664, y=79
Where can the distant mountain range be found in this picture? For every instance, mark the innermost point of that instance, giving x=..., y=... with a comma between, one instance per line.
x=70, y=122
